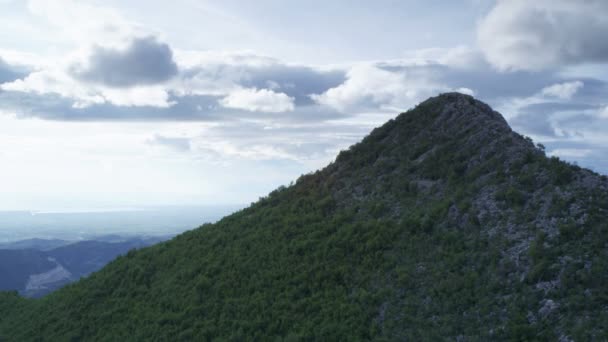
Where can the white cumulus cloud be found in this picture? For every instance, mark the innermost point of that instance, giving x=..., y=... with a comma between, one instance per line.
x=563, y=91
x=389, y=87
x=258, y=100
x=570, y=152
x=541, y=34
x=368, y=86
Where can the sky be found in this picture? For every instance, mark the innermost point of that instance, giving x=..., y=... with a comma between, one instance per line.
x=192, y=102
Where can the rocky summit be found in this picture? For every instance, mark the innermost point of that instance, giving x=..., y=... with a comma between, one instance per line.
x=441, y=224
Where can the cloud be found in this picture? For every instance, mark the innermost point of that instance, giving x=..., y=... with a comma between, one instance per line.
x=53, y=81
x=575, y=134
x=180, y=144
x=368, y=86
x=212, y=86
x=138, y=97
x=131, y=76
x=560, y=111
x=563, y=91
x=536, y=35
x=47, y=84
x=258, y=100
x=144, y=61
x=465, y=90
x=391, y=86
x=309, y=143
x=203, y=108
x=243, y=82
x=553, y=97
x=9, y=73
x=53, y=106
x=217, y=73
x=571, y=152
x=25, y=62
x=222, y=87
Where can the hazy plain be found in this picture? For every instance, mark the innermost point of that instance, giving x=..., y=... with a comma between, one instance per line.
x=97, y=223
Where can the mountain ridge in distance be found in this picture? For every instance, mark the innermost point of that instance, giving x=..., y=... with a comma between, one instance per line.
x=36, y=267
x=441, y=223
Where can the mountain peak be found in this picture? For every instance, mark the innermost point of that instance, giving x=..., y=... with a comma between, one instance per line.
x=448, y=139
x=451, y=108
x=452, y=124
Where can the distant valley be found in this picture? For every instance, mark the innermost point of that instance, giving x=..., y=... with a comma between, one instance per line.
x=42, y=251
x=37, y=267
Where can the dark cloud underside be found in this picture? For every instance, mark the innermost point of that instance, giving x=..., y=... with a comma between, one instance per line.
x=9, y=73
x=145, y=61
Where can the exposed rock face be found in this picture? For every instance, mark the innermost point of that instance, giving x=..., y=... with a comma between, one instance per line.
x=549, y=306
x=49, y=279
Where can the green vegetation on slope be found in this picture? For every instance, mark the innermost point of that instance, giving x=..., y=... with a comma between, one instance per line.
x=441, y=223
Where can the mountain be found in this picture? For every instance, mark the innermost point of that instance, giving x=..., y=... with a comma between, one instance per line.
x=441, y=224
x=38, y=244
x=17, y=265
x=85, y=257
x=36, y=269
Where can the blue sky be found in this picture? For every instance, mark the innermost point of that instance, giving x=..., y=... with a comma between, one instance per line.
x=115, y=103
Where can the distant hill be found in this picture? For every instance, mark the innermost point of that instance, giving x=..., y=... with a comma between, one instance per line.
x=34, y=268
x=442, y=224
x=38, y=244
x=17, y=265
